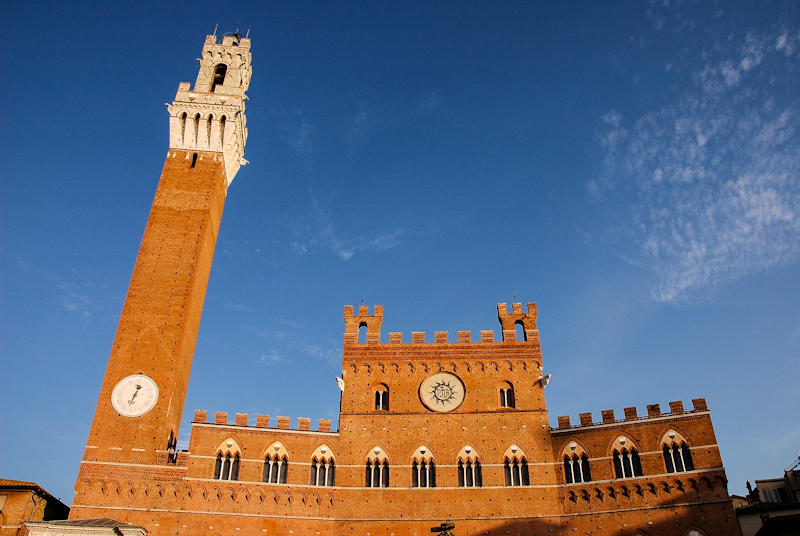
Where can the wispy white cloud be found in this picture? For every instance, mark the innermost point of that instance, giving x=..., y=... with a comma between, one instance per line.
x=320, y=231
x=240, y=307
x=75, y=297
x=328, y=354
x=297, y=132
x=272, y=357
x=711, y=179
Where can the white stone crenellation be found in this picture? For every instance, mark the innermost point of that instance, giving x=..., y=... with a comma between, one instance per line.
x=211, y=116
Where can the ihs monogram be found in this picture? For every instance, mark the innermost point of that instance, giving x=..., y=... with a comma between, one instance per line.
x=443, y=392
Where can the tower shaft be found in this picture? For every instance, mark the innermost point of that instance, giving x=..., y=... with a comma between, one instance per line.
x=141, y=400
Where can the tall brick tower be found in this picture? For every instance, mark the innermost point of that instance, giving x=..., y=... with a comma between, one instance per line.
x=141, y=400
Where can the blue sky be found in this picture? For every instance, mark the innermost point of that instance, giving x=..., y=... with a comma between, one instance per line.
x=634, y=169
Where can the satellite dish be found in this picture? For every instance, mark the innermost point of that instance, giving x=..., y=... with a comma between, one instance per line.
x=545, y=379
x=340, y=383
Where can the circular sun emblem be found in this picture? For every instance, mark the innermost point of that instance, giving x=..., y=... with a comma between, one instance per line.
x=442, y=392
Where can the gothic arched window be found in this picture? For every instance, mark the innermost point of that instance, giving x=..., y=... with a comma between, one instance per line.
x=377, y=469
x=677, y=454
x=276, y=464
x=515, y=467
x=626, y=459
x=576, y=464
x=323, y=467
x=469, y=469
x=423, y=469
x=226, y=466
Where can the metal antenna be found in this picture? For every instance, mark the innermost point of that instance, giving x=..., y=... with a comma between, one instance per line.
x=248, y=33
x=215, y=29
x=515, y=297
x=363, y=299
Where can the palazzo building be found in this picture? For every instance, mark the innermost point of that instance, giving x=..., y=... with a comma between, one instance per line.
x=450, y=429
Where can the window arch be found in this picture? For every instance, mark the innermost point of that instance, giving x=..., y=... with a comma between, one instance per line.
x=219, y=76
x=382, y=397
x=507, y=398
x=423, y=469
x=677, y=454
x=519, y=328
x=362, y=333
x=515, y=467
x=626, y=458
x=323, y=467
x=576, y=464
x=276, y=464
x=183, y=126
x=226, y=466
x=377, y=469
x=469, y=468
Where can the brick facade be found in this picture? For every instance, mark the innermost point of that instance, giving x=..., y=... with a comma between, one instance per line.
x=497, y=416
x=21, y=502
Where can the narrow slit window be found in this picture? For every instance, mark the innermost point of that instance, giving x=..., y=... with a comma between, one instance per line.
x=183, y=127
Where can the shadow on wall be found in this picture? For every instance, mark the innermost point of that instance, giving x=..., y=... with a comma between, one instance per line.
x=669, y=517
x=714, y=519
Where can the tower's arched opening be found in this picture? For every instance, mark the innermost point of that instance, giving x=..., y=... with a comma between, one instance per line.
x=362, y=333
x=520, y=329
x=219, y=76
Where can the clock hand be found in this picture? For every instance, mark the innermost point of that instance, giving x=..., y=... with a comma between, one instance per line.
x=136, y=392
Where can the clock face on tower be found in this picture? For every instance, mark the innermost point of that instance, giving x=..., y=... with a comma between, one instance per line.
x=442, y=392
x=135, y=395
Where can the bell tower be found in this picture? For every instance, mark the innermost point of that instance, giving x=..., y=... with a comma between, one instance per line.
x=141, y=399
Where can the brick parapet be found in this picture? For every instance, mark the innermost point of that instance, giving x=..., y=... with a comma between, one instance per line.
x=430, y=351
x=303, y=424
x=509, y=318
x=439, y=337
x=699, y=405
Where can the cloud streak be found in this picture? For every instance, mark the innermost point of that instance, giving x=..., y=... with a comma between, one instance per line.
x=321, y=232
x=713, y=174
x=298, y=133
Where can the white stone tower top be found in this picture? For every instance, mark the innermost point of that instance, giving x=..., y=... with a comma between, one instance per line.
x=211, y=116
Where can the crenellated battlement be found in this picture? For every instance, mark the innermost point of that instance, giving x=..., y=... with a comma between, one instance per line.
x=353, y=322
x=509, y=319
x=630, y=415
x=242, y=420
